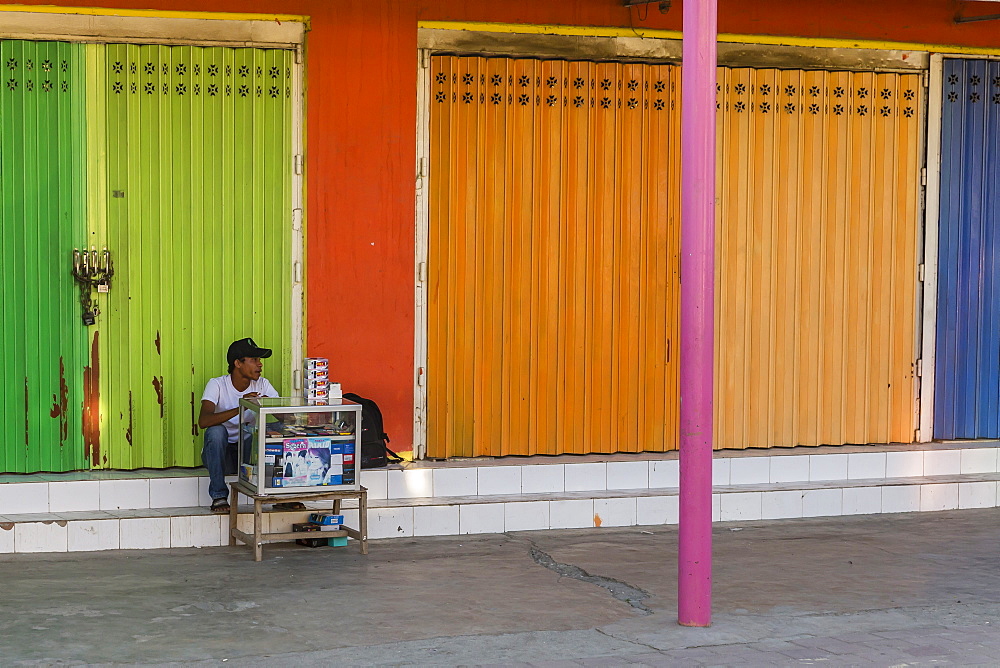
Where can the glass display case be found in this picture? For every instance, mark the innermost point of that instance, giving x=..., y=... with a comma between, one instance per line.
x=292, y=445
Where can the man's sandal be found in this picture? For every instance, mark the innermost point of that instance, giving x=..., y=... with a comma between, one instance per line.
x=220, y=505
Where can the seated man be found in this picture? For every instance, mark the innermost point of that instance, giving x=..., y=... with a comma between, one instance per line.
x=220, y=417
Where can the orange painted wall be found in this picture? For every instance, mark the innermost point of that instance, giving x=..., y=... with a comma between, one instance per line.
x=360, y=151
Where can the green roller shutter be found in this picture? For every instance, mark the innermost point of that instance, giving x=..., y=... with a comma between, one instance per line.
x=178, y=160
x=42, y=217
x=198, y=219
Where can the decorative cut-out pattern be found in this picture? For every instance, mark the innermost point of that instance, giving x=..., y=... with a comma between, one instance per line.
x=182, y=78
x=620, y=89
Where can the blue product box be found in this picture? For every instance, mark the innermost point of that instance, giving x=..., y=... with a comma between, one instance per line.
x=326, y=519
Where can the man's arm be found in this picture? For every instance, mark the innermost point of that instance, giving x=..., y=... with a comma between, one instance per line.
x=209, y=418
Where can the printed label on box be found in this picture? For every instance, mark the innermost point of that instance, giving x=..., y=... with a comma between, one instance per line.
x=296, y=473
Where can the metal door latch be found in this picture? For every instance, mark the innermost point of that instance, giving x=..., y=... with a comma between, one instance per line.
x=92, y=270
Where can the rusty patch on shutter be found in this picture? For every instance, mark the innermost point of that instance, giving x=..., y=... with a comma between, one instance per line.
x=60, y=404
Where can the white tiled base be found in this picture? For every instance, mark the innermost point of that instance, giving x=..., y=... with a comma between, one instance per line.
x=429, y=500
x=468, y=515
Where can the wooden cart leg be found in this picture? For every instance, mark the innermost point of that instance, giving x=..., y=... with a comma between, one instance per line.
x=336, y=506
x=257, y=517
x=363, y=520
x=234, y=496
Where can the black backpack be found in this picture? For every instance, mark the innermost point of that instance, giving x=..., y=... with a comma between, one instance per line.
x=374, y=452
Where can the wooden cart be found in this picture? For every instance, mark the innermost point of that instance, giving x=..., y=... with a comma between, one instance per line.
x=257, y=539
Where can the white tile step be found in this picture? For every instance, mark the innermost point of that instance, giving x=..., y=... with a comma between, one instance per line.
x=450, y=515
x=520, y=476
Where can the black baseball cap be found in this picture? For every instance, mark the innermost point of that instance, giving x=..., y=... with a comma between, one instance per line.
x=245, y=348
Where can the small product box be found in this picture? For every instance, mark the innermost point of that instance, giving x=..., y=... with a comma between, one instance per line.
x=337, y=541
x=326, y=519
x=317, y=363
x=317, y=384
x=247, y=472
x=335, y=391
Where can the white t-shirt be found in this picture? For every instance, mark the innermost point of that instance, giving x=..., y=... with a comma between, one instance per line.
x=220, y=391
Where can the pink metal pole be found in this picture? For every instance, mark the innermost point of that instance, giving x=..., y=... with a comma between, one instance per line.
x=697, y=336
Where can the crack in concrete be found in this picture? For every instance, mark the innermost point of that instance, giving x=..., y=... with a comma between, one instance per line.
x=630, y=641
x=621, y=591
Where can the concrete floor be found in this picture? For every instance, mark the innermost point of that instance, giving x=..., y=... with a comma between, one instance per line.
x=910, y=589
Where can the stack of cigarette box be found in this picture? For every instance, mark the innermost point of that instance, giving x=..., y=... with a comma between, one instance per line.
x=318, y=389
x=319, y=523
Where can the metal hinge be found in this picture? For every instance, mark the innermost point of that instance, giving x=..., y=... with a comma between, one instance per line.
x=923, y=176
x=421, y=272
x=297, y=220
x=920, y=368
x=297, y=164
x=297, y=272
x=298, y=54
x=420, y=376
x=920, y=272
x=425, y=58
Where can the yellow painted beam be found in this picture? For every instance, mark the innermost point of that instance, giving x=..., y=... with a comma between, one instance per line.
x=149, y=13
x=605, y=31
